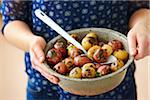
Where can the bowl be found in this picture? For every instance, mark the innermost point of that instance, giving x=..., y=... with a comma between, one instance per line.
x=94, y=86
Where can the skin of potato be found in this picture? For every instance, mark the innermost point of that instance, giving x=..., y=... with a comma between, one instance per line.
x=76, y=73
x=53, y=56
x=100, y=55
x=69, y=62
x=104, y=69
x=92, y=50
x=88, y=70
x=115, y=67
x=121, y=54
x=115, y=44
x=108, y=49
x=60, y=68
x=92, y=34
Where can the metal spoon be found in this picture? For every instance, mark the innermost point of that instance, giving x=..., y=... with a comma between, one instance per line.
x=47, y=20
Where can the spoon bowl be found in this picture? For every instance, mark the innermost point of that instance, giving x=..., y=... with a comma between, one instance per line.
x=111, y=59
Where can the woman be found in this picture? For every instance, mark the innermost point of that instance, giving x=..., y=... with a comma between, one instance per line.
x=25, y=31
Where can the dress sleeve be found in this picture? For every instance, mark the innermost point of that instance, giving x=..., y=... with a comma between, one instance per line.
x=15, y=10
x=135, y=5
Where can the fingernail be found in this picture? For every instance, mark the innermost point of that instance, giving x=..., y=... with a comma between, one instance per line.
x=41, y=59
x=132, y=52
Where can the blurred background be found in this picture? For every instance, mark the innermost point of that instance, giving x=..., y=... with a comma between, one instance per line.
x=13, y=78
x=12, y=71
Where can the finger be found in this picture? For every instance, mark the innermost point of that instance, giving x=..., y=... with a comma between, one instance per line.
x=51, y=78
x=142, y=51
x=48, y=76
x=38, y=66
x=39, y=53
x=132, y=42
x=32, y=57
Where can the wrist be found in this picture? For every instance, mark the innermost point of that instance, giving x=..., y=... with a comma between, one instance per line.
x=37, y=40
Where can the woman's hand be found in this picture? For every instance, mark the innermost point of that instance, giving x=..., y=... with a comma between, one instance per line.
x=139, y=39
x=37, y=57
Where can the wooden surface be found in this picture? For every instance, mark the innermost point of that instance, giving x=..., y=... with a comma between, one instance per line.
x=13, y=78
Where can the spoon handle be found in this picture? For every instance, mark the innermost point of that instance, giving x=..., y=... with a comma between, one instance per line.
x=47, y=20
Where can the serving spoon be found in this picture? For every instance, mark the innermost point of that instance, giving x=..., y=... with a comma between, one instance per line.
x=47, y=20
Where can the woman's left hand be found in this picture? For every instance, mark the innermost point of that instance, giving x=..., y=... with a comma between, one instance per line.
x=139, y=39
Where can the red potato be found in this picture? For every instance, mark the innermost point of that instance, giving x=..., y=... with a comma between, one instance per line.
x=97, y=65
x=115, y=44
x=104, y=69
x=101, y=43
x=61, y=47
x=100, y=55
x=53, y=56
x=81, y=60
x=73, y=51
x=69, y=62
x=60, y=68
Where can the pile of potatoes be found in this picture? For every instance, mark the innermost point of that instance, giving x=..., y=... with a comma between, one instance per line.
x=68, y=60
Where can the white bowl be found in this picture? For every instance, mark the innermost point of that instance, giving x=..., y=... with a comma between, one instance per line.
x=97, y=85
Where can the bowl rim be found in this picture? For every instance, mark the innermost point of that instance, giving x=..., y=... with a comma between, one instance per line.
x=106, y=30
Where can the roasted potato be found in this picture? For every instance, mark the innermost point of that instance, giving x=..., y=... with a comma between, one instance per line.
x=115, y=44
x=76, y=73
x=53, y=56
x=92, y=35
x=73, y=51
x=81, y=60
x=115, y=66
x=88, y=70
x=104, y=69
x=92, y=50
x=69, y=62
x=100, y=55
x=88, y=42
x=61, y=47
x=97, y=65
x=100, y=43
x=75, y=37
x=108, y=49
x=121, y=54
x=60, y=68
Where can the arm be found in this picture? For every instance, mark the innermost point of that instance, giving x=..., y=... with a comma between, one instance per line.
x=18, y=33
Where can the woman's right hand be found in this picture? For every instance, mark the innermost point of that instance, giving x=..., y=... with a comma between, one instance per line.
x=37, y=57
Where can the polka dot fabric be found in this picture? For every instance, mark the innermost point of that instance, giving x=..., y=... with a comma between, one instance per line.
x=74, y=14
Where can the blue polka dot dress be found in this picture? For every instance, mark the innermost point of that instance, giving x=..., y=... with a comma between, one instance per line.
x=73, y=14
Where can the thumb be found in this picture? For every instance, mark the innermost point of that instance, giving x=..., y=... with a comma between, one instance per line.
x=39, y=53
x=132, y=42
